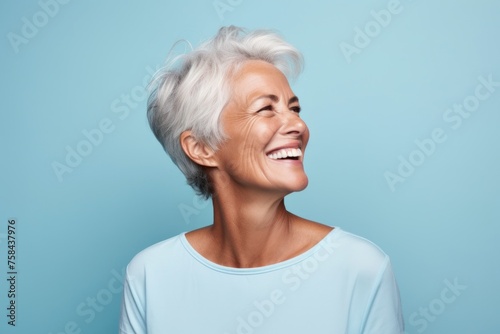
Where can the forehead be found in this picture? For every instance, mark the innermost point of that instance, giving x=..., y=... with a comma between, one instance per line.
x=255, y=78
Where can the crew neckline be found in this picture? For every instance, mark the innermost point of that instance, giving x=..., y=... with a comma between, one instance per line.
x=255, y=270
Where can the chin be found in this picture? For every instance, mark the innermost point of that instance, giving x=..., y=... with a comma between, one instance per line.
x=304, y=186
x=298, y=185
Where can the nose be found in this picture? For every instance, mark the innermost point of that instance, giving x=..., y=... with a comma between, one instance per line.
x=293, y=124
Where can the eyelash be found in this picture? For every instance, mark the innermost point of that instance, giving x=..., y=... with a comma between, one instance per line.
x=270, y=107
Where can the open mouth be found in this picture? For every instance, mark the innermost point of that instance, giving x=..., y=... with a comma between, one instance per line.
x=286, y=154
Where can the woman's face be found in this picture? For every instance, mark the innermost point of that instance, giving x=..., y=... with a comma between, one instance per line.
x=266, y=136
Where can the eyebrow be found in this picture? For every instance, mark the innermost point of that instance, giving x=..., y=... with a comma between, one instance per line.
x=274, y=98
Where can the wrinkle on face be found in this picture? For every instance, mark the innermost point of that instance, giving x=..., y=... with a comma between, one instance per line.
x=250, y=132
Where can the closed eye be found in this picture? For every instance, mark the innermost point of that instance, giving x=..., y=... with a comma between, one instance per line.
x=295, y=109
x=269, y=107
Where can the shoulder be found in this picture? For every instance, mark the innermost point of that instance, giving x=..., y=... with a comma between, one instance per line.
x=359, y=244
x=155, y=256
x=355, y=253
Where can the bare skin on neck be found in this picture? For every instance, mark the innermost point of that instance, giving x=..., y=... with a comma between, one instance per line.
x=252, y=172
x=248, y=234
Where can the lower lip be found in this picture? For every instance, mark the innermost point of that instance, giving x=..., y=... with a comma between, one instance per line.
x=287, y=161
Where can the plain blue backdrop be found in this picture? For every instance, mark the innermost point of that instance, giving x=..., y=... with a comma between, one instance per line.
x=402, y=99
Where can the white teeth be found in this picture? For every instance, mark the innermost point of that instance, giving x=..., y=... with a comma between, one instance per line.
x=286, y=153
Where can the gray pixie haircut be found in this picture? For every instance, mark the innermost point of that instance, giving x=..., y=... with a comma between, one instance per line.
x=191, y=91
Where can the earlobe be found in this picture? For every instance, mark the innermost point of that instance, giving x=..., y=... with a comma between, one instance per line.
x=196, y=150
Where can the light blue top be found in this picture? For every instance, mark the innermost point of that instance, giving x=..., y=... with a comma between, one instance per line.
x=344, y=284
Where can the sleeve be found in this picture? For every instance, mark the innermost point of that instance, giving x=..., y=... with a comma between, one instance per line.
x=383, y=313
x=133, y=319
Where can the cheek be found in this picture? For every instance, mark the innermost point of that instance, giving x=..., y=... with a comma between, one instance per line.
x=264, y=129
x=306, y=136
x=248, y=146
x=254, y=134
x=238, y=146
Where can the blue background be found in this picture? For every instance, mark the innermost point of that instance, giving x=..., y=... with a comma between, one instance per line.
x=85, y=65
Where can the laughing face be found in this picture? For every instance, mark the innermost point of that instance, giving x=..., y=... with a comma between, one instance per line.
x=266, y=136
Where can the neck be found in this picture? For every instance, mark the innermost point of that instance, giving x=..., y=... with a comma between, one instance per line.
x=250, y=229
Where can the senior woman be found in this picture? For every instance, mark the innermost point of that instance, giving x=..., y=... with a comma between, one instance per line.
x=229, y=120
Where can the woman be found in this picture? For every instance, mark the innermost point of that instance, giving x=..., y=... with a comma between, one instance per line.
x=229, y=120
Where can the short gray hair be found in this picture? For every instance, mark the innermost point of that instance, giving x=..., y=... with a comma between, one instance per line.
x=191, y=91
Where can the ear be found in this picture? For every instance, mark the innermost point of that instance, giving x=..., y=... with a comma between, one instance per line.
x=196, y=150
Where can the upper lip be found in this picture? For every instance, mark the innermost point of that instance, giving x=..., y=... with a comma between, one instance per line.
x=296, y=144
